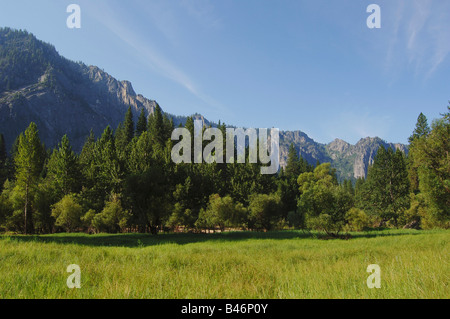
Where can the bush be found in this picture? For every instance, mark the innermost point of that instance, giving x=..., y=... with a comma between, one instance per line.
x=265, y=211
x=221, y=212
x=68, y=213
x=322, y=201
x=295, y=219
x=87, y=219
x=113, y=218
x=357, y=219
x=181, y=217
x=326, y=223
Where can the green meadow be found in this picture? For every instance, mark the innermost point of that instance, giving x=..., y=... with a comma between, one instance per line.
x=284, y=264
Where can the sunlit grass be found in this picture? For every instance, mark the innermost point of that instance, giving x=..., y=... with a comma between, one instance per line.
x=290, y=264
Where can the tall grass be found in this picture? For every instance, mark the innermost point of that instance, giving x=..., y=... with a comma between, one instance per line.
x=290, y=264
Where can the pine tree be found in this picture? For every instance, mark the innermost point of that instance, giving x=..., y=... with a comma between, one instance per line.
x=110, y=170
x=347, y=185
x=190, y=125
x=141, y=126
x=293, y=168
x=29, y=162
x=128, y=126
x=87, y=149
x=167, y=128
x=431, y=157
x=63, y=169
x=2, y=150
x=156, y=127
x=388, y=185
x=422, y=129
x=3, y=161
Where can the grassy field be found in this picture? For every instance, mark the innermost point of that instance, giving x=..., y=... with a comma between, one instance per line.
x=288, y=264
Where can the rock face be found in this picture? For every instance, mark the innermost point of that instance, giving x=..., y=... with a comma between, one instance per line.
x=64, y=97
x=60, y=96
x=350, y=161
x=363, y=153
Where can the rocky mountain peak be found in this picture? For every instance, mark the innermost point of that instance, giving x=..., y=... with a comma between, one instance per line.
x=63, y=97
x=339, y=145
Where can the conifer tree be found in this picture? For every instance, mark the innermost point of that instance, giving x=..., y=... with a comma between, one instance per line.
x=63, y=169
x=28, y=162
x=3, y=159
x=128, y=126
x=141, y=125
x=388, y=185
x=422, y=129
x=293, y=168
x=431, y=157
x=156, y=126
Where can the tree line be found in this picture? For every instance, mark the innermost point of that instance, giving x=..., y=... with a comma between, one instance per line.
x=125, y=181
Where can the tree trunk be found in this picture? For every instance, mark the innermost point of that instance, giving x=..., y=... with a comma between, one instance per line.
x=25, y=210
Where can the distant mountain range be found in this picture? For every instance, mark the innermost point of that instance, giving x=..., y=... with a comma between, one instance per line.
x=66, y=97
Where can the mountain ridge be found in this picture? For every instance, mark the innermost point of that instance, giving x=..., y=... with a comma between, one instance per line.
x=65, y=97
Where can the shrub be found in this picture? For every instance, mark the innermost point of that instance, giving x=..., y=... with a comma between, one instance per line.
x=68, y=213
x=113, y=218
x=357, y=219
x=221, y=212
x=265, y=211
x=295, y=219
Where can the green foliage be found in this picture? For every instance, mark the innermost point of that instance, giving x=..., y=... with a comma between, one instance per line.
x=6, y=207
x=156, y=127
x=156, y=193
x=183, y=217
x=102, y=171
x=141, y=125
x=422, y=129
x=22, y=58
x=67, y=213
x=431, y=159
x=322, y=201
x=287, y=183
x=112, y=219
x=293, y=163
x=296, y=219
x=29, y=162
x=128, y=125
x=222, y=212
x=63, y=169
x=386, y=191
x=3, y=161
x=254, y=265
x=357, y=219
x=347, y=186
x=417, y=212
x=316, y=191
x=265, y=211
x=44, y=197
x=87, y=219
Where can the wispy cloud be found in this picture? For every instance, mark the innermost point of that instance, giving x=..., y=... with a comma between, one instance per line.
x=202, y=11
x=421, y=34
x=147, y=51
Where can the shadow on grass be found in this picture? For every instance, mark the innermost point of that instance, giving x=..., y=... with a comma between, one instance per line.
x=144, y=240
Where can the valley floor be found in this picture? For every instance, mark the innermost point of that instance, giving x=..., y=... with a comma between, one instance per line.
x=285, y=264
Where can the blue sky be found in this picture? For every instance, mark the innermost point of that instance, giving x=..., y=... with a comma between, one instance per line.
x=308, y=65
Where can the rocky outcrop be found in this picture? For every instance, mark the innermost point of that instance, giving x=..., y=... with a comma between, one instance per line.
x=350, y=161
x=366, y=149
x=64, y=97
x=60, y=96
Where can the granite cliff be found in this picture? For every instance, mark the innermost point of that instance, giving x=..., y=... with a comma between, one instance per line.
x=66, y=97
